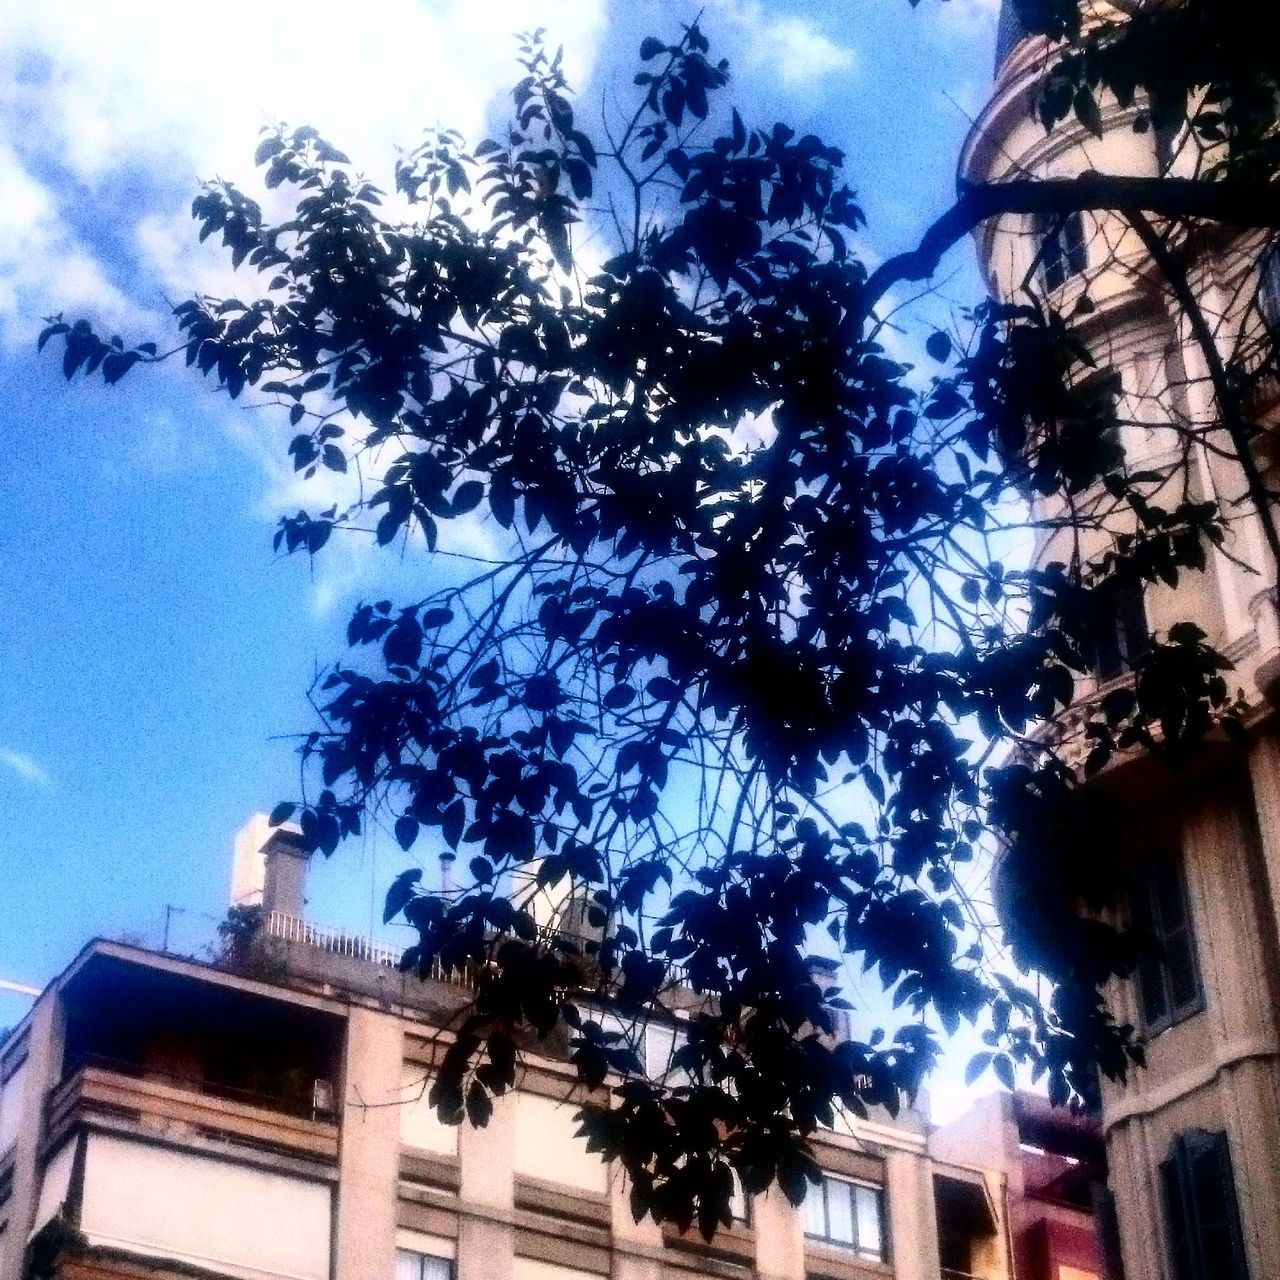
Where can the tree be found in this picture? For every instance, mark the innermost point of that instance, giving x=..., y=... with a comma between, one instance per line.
x=751, y=669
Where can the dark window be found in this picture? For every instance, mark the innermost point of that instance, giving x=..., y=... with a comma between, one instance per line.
x=1269, y=289
x=1120, y=632
x=1201, y=1222
x=849, y=1214
x=1168, y=981
x=1063, y=251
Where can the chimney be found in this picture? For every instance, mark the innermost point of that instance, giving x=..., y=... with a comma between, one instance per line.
x=269, y=868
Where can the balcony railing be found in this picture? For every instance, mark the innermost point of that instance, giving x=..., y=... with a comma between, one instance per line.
x=339, y=942
x=336, y=941
x=158, y=1104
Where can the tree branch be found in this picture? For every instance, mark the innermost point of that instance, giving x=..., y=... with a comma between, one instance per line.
x=1237, y=204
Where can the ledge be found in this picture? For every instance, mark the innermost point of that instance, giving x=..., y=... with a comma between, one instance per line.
x=1149, y=1101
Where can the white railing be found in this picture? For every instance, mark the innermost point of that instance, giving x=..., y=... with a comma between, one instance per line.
x=338, y=941
x=341, y=943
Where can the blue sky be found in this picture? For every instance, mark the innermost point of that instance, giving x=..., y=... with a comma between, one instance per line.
x=153, y=655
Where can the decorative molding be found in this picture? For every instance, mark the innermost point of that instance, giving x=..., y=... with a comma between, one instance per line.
x=1150, y=1101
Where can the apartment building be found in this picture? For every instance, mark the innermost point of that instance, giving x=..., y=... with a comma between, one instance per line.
x=1192, y=1142
x=162, y=1118
x=1054, y=1164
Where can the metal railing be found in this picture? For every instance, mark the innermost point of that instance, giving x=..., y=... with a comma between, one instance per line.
x=289, y=928
x=341, y=943
x=338, y=941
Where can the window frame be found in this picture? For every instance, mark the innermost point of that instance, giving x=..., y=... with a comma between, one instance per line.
x=1269, y=288
x=1184, y=1212
x=1144, y=889
x=647, y=1038
x=1121, y=629
x=423, y=1258
x=880, y=1254
x=1063, y=249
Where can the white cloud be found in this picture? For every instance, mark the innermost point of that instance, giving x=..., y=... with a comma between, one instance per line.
x=44, y=267
x=793, y=48
x=25, y=767
x=190, y=87
x=114, y=119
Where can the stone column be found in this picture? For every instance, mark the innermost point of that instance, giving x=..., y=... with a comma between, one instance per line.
x=1264, y=775
x=779, y=1232
x=913, y=1217
x=637, y=1245
x=486, y=1160
x=369, y=1152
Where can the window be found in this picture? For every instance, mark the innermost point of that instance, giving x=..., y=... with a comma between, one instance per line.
x=1201, y=1223
x=846, y=1213
x=1168, y=982
x=422, y=1266
x=1269, y=289
x=654, y=1044
x=1064, y=252
x=1120, y=632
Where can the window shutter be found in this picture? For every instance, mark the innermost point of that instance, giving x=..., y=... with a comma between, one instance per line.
x=1201, y=1218
x=1055, y=271
x=1169, y=983
x=1076, y=244
x=1151, y=983
x=1175, y=1218
x=1212, y=1186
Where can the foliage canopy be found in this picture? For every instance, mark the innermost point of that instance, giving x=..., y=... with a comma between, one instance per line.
x=749, y=668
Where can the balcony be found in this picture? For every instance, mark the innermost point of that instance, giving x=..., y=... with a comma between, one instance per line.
x=119, y=1096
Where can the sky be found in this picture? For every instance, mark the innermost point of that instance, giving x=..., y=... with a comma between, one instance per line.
x=154, y=655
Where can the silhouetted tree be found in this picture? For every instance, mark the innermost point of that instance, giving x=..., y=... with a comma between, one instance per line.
x=749, y=667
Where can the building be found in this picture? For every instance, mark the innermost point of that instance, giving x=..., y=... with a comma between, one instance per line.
x=267, y=1121
x=1192, y=1142
x=1055, y=1175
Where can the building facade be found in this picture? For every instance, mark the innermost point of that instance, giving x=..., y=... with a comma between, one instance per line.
x=267, y=1120
x=1055, y=1176
x=1193, y=1143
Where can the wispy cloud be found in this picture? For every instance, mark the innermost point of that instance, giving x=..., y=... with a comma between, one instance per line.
x=106, y=138
x=797, y=50
x=25, y=767
x=969, y=18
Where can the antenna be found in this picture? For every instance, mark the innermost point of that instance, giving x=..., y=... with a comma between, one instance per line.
x=18, y=988
x=169, y=912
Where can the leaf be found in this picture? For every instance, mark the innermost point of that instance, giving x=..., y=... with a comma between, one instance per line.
x=1003, y=1068
x=452, y=822
x=938, y=345
x=467, y=497
x=977, y=1065
x=485, y=674
x=650, y=47
x=402, y=889
x=406, y=831
x=661, y=689
x=282, y=813
x=619, y=696
x=479, y=1105
x=1087, y=112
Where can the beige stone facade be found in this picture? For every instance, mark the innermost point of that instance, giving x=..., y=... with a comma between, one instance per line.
x=166, y=1118
x=1209, y=839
